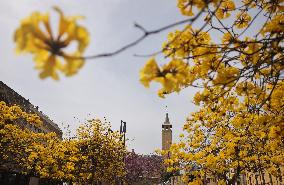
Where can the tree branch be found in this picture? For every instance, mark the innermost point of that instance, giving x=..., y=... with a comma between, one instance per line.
x=146, y=33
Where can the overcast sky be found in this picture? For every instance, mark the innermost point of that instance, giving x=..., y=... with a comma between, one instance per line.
x=107, y=87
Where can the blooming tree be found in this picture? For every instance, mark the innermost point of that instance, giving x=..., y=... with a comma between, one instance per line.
x=94, y=155
x=101, y=153
x=239, y=126
x=144, y=168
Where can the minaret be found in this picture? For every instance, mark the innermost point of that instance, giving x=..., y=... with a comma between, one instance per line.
x=166, y=134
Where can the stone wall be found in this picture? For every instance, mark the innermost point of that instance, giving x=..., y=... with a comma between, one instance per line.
x=10, y=97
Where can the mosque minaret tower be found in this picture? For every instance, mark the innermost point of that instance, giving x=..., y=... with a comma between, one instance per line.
x=166, y=134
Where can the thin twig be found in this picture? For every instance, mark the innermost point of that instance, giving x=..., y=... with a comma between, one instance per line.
x=146, y=33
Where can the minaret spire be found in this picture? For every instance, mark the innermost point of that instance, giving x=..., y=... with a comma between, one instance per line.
x=167, y=120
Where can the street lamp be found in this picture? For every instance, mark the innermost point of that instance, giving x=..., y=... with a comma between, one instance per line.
x=123, y=130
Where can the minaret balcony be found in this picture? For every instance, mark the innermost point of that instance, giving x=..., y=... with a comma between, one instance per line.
x=167, y=126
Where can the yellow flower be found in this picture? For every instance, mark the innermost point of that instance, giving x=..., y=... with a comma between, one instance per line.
x=35, y=36
x=243, y=19
x=225, y=8
x=173, y=77
x=221, y=182
x=274, y=131
x=149, y=72
x=197, y=181
x=249, y=3
x=275, y=25
x=226, y=76
x=186, y=6
x=227, y=38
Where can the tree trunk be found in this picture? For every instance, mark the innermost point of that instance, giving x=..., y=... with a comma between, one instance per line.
x=250, y=180
x=280, y=175
x=263, y=178
x=256, y=179
x=270, y=177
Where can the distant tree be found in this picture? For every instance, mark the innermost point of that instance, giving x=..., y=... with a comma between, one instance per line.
x=144, y=168
x=101, y=153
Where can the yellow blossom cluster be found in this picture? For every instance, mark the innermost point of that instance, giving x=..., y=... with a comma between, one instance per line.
x=234, y=59
x=102, y=152
x=94, y=155
x=35, y=36
x=225, y=9
x=13, y=113
x=226, y=136
x=239, y=126
x=13, y=139
x=172, y=76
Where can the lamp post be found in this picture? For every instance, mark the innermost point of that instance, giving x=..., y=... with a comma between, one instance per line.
x=122, y=131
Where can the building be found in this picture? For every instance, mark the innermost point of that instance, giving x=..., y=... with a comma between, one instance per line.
x=10, y=97
x=264, y=178
x=166, y=133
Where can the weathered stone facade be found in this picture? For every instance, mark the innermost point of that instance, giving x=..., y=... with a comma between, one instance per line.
x=10, y=97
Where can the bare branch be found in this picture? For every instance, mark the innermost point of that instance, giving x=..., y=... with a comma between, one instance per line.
x=146, y=33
